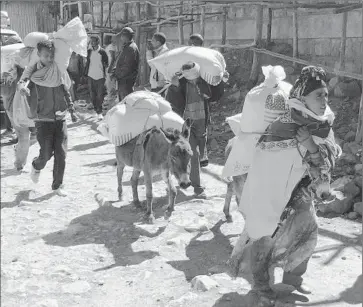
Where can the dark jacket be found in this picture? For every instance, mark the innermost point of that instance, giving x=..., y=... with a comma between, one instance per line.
x=127, y=64
x=177, y=95
x=104, y=59
x=76, y=65
x=44, y=102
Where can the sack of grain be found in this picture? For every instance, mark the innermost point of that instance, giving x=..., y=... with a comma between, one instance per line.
x=138, y=112
x=32, y=39
x=258, y=112
x=147, y=100
x=72, y=37
x=211, y=62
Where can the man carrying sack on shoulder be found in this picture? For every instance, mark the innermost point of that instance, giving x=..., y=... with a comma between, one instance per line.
x=193, y=96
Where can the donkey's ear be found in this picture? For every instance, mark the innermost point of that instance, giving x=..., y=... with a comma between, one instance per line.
x=186, y=128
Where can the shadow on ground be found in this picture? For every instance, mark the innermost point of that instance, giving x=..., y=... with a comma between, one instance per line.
x=115, y=228
x=204, y=255
x=25, y=196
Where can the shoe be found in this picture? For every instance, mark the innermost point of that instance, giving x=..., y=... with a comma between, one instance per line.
x=200, y=195
x=303, y=289
x=60, y=191
x=100, y=117
x=34, y=175
x=204, y=163
x=90, y=107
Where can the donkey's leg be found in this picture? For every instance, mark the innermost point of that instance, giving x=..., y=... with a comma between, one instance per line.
x=120, y=172
x=134, y=183
x=227, y=202
x=149, y=216
x=172, y=195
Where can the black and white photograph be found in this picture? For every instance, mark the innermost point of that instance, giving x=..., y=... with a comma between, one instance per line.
x=181, y=153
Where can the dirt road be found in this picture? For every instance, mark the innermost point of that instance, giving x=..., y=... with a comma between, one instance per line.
x=88, y=249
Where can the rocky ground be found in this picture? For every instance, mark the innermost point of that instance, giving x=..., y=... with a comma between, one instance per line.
x=89, y=249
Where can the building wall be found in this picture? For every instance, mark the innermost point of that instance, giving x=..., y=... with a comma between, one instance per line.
x=26, y=17
x=319, y=34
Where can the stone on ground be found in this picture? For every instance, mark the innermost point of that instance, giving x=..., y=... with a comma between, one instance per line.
x=358, y=208
x=203, y=283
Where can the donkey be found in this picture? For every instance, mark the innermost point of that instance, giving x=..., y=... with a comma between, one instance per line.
x=295, y=237
x=156, y=152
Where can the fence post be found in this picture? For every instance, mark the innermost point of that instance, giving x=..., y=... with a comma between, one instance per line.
x=258, y=37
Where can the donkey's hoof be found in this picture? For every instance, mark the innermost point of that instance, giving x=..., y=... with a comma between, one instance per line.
x=229, y=218
x=149, y=218
x=167, y=214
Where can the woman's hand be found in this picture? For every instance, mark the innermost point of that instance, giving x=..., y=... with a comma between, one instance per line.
x=304, y=137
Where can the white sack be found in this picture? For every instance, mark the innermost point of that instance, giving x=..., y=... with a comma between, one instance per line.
x=72, y=37
x=147, y=100
x=255, y=118
x=138, y=112
x=211, y=62
x=32, y=39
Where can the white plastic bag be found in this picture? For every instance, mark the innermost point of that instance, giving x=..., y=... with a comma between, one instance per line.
x=22, y=114
x=211, y=62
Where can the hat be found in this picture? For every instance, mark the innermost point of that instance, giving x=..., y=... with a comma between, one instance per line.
x=127, y=30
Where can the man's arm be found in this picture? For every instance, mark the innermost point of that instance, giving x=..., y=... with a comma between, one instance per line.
x=68, y=99
x=113, y=60
x=149, y=56
x=104, y=58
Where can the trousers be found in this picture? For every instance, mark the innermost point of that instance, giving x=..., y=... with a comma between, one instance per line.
x=53, y=140
x=97, y=93
x=197, y=143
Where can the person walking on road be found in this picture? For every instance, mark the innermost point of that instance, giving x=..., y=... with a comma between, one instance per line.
x=127, y=64
x=96, y=66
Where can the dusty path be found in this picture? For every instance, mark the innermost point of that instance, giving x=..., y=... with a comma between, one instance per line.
x=90, y=251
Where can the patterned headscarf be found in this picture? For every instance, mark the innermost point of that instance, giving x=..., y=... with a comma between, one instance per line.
x=310, y=79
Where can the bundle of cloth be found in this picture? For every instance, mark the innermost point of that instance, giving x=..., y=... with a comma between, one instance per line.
x=211, y=62
x=138, y=112
x=263, y=104
x=72, y=37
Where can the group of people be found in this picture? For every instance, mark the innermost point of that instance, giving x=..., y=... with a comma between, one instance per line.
x=190, y=96
x=113, y=72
